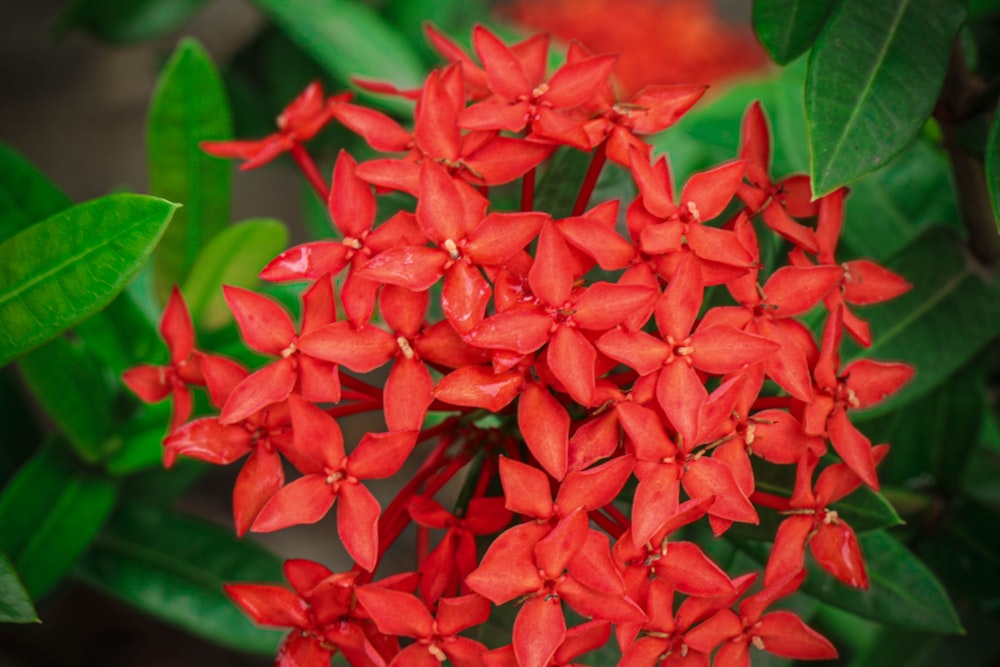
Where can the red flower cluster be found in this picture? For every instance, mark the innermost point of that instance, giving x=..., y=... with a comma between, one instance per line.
x=570, y=361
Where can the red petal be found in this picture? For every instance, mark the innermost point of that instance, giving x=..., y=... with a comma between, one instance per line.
x=395, y=612
x=271, y=384
x=836, y=549
x=479, y=386
x=500, y=235
x=414, y=267
x=176, y=327
x=304, y=501
x=351, y=202
x=638, y=350
x=508, y=568
x=539, y=629
x=526, y=489
x=681, y=395
x=380, y=455
x=380, y=131
x=691, y=572
x=678, y=307
x=316, y=435
x=407, y=395
x=793, y=290
x=149, y=383
x=556, y=549
x=551, y=275
x=307, y=261
x=853, y=447
x=544, y=424
x=572, y=359
x=866, y=282
x=874, y=381
x=260, y=478
x=603, y=305
x=711, y=191
x=504, y=73
x=708, y=477
x=357, y=524
x=784, y=634
x=721, y=350
x=266, y=326
x=521, y=331
x=209, y=440
x=270, y=605
x=464, y=296
x=578, y=82
x=361, y=349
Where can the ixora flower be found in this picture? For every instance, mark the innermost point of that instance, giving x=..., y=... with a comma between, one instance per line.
x=594, y=406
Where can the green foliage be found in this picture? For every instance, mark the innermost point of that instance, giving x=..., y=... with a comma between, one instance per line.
x=51, y=511
x=874, y=77
x=173, y=567
x=134, y=21
x=58, y=272
x=15, y=604
x=189, y=106
x=787, y=28
x=349, y=39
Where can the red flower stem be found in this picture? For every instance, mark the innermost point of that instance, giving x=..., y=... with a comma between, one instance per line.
x=528, y=190
x=769, y=402
x=354, y=408
x=590, y=180
x=310, y=171
x=397, y=522
x=609, y=526
x=348, y=395
x=617, y=515
x=360, y=385
x=423, y=543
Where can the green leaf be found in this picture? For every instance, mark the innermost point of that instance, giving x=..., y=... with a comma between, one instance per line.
x=62, y=270
x=233, y=257
x=993, y=166
x=72, y=388
x=559, y=185
x=50, y=513
x=134, y=21
x=904, y=593
x=951, y=313
x=932, y=437
x=874, y=77
x=787, y=28
x=889, y=208
x=173, y=567
x=26, y=195
x=15, y=603
x=142, y=440
x=349, y=39
x=189, y=106
x=120, y=336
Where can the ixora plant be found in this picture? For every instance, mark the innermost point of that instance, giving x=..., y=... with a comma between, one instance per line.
x=634, y=400
x=565, y=363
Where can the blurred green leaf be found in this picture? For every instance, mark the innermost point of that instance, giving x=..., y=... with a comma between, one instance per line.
x=133, y=21
x=951, y=313
x=964, y=545
x=50, y=513
x=787, y=28
x=557, y=187
x=173, y=567
x=932, y=437
x=993, y=167
x=889, y=208
x=349, y=39
x=453, y=17
x=62, y=270
x=26, y=195
x=904, y=593
x=189, y=106
x=121, y=335
x=235, y=257
x=21, y=433
x=72, y=388
x=142, y=440
x=15, y=603
x=874, y=77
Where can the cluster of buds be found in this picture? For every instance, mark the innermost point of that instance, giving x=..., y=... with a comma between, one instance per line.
x=592, y=403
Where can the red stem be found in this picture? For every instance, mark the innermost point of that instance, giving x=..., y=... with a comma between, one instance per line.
x=360, y=385
x=354, y=408
x=609, y=526
x=769, y=402
x=528, y=190
x=311, y=172
x=590, y=180
x=617, y=515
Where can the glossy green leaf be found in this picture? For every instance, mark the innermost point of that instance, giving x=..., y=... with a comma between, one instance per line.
x=62, y=270
x=133, y=21
x=787, y=28
x=349, y=39
x=874, y=77
x=173, y=567
x=233, y=257
x=889, y=208
x=15, y=603
x=75, y=392
x=50, y=512
x=189, y=106
x=951, y=313
x=904, y=593
x=557, y=188
x=21, y=433
x=26, y=195
x=993, y=167
x=120, y=336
